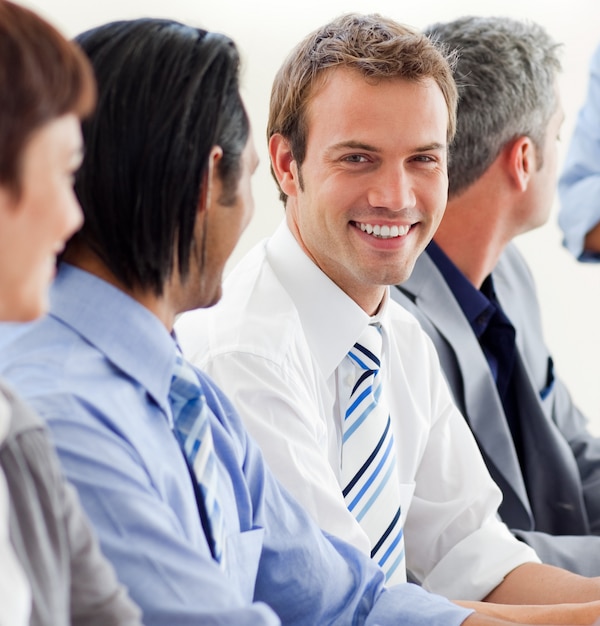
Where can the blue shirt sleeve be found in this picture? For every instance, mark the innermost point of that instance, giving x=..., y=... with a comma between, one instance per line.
x=168, y=570
x=579, y=184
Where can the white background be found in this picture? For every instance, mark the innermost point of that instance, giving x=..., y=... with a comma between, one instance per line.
x=265, y=31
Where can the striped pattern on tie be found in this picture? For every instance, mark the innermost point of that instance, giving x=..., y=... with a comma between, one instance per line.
x=192, y=429
x=369, y=475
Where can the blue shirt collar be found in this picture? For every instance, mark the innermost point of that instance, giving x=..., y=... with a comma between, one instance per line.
x=138, y=343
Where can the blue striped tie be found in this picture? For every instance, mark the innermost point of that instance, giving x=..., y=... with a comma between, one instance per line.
x=369, y=473
x=192, y=429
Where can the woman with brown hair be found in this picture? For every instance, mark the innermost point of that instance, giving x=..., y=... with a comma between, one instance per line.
x=51, y=569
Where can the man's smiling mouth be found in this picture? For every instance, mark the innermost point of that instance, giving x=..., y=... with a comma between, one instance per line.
x=383, y=231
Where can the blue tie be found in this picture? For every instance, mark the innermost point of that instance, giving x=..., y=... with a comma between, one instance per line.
x=369, y=474
x=192, y=429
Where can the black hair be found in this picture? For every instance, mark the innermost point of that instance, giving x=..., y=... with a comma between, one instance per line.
x=167, y=93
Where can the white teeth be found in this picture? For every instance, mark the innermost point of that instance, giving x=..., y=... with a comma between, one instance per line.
x=385, y=231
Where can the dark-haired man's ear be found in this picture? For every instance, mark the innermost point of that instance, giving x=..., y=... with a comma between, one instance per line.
x=284, y=165
x=521, y=161
x=211, y=187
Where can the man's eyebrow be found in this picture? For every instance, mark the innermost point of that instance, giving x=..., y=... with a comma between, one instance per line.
x=359, y=145
x=354, y=145
x=432, y=146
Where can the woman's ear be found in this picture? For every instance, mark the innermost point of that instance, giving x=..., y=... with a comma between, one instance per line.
x=284, y=165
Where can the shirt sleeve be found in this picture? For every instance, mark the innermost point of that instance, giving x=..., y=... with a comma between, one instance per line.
x=452, y=525
x=68, y=569
x=307, y=576
x=284, y=408
x=172, y=579
x=15, y=592
x=579, y=184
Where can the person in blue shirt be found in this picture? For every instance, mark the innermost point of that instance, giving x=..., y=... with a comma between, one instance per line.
x=579, y=184
x=165, y=189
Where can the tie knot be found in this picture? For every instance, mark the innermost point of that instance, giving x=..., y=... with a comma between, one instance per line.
x=185, y=393
x=366, y=352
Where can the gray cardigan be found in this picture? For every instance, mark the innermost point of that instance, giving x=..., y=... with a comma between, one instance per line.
x=71, y=581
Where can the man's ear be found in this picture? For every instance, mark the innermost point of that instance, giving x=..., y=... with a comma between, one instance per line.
x=521, y=160
x=284, y=165
x=212, y=182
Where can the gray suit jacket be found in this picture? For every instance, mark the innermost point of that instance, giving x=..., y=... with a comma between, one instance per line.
x=554, y=503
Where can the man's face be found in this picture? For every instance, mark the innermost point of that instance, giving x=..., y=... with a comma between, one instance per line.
x=373, y=186
x=541, y=189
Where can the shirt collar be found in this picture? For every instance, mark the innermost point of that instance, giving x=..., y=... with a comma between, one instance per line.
x=127, y=333
x=331, y=320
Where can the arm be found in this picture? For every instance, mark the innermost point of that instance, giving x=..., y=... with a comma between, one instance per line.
x=579, y=185
x=536, y=583
x=564, y=424
x=534, y=614
x=97, y=599
x=585, y=448
x=282, y=407
x=68, y=573
x=592, y=240
x=166, y=567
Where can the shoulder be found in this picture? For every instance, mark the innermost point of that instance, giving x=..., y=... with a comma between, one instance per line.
x=40, y=356
x=513, y=279
x=29, y=462
x=22, y=417
x=413, y=347
x=405, y=326
x=512, y=263
x=255, y=316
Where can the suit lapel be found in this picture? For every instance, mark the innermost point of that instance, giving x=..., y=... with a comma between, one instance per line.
x=434, y=299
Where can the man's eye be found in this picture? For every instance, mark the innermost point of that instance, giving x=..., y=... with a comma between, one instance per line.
x=355, y=158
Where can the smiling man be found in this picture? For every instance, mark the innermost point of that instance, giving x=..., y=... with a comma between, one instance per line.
x=338, y=383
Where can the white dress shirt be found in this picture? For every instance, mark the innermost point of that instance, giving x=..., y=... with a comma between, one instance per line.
x=276, y=344
x=15, y=594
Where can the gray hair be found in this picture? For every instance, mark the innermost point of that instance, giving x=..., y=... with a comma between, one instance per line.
x=505, y=74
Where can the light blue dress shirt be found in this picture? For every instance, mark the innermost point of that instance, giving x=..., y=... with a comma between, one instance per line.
x=98, y=369
x=579, y=184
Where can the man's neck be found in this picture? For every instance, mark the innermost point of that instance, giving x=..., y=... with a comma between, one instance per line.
x=82, y=257
x=473, y=233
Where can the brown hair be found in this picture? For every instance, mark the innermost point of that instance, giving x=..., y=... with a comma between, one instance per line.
x=376, y=46
x=42, y=76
